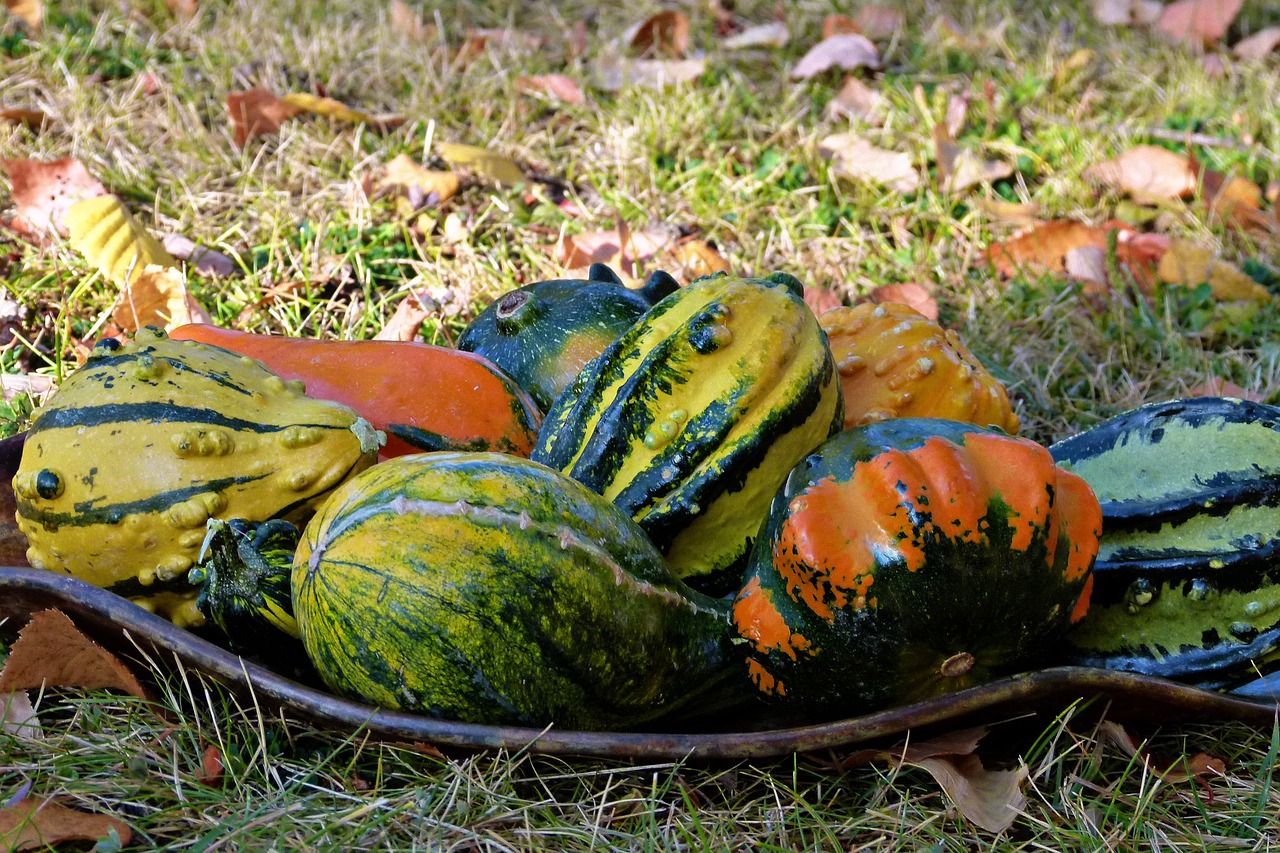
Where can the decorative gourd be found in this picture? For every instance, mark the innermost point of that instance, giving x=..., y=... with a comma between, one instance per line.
x=423, y=397
x=1188, y=572
x=894, y=362
x=489, y=589
x=244, y=578
x=543, y=334
x=142, y=445
x=910, y=558
x=691, y=420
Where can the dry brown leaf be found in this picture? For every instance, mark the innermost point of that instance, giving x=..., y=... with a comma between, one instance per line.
x=1201, y=22
x=406, y=22
x=338, y=111
x=257, y=112
x=108, y=236
x=434, y=187
x=696, y=258
x=34, y=384
x=1219, y=387
x=182, y=8
x=836, y=24
x=878, y=22
x=200, y=258
x=857, y=159
x=1044, y=247
x=482, y=161
x=43, y=193
x=158, y=296
x=33, y=119
x=615, y=73
x=665, y=33
x=772, y=34
x=1190, y=265
x=991, y=799
x=913, y=295
x=30, y=12
x=1169, y=769
x=617, y=249
x=18, y=717
x=849, y=51
x=35, y=823
x=821, y=300
x=1142, y=13
x=960, y=168
x=555, y=86
x=51, y=652
x=211, y=768
x=408, y=318
x=1236, y=201
x=857, y=100
x=1147, y=172
x=1259, y=45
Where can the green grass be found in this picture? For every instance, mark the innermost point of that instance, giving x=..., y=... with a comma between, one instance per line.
x=732, y=158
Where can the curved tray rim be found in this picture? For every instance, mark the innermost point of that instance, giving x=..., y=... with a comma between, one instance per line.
x=118, y=623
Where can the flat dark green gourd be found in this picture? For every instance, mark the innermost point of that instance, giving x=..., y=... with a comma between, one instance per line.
x=1187, y=583
x=543, y=334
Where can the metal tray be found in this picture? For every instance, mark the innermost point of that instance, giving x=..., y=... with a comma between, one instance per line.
x=126, y=629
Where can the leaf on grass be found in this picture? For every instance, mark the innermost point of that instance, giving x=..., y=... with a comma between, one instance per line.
x=1259, y=45
x=857, y=159
x=43, y=192
x=555, y=86
x=1169, y=769
x=878, y=22
x=482, y=161
x=110, y=238
x=51, y=652
x=857, y=100
x=182, y=8
x=257, y=112
x=772, y=34
x=406, y=22
x=1236, y=201
x=1147, y=171
x=614, y=73
x=35, y=823
x=34, y=119
x=211, y=769
x=30, y=12
x=34, y=384
x=1219, y=387
x=849, y=51
x=836, y=24
x=696, y=258
x=338, y=111
x=1008, y=211
x=431, y=186
x=1044, y=247
x=665, y=32
x=621, y=248
x=158, y=296
x=1142, y=13
x=913, y=295
x=1200, y=22
x=415, y=308
x=1190, y=265
x=18, y=717
x=201, y=258
x=960, y=168
x=821, y=300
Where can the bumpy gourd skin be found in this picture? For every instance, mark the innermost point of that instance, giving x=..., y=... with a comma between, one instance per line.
x=148, y=440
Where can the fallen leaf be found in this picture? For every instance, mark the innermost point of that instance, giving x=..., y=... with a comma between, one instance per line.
x=33, y=119
x=488, y=163
x=43, y=192
x=1201, y=22
x=821, y=300
x=30, y=12
x=665, y=32
x=857, y=159
x=849, y=51
x=1147, y=171
x=1219, y=387
x=435, y=187
x=110, y=238
x=416, y=307
x=1008, y=211
x=960, y=168
x=1044, y=247
x=836, y=24
x=182, y=8
x=1142, y=13
x=200, y=258
x=35, y=823
x=614, y=73
x=1087, y=264
x=556, y=86
x=257, y=112
x=772, y=34
x=51, y=652
x=1236, y=201
x=1169, y=769
x=338, y=111
x=1191, y=265
x=696, y=258
x=615, y=248
x=857, y=100
x=406, y=22
x=1259, y=45
x=158, y=296
x=211, y=768
x=18, y=717
x=957, y=109
x=34, y=384
x=878, y=22
x=1213, y=65
x=913, y=295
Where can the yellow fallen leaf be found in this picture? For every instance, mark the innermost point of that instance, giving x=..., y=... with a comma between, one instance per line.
x=1190, y=265
x=481, y=160
x=338, y=111
x=30, y=12
x=404, y=172
x=112, y=240
x=158, y=297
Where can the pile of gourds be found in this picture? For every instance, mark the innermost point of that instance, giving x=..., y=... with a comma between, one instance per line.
x=725, y=499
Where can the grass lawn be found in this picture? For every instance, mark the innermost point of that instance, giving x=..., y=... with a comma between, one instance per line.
x=733, y=157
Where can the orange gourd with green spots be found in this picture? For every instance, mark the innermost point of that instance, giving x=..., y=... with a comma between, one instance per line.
x=911, y=558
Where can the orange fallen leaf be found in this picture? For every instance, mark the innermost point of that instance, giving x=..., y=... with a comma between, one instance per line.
x=836, y=24
x=913, y=295
x=257, y=112
x=696, y=258
x=1044, y=247
x=857, y=159
x=434, y=187
x=210, y=772
x=1201, y=22
x=43, y=193
x=857, y=100
x=821, y=300
x=849, y=50
x=412, y=311
x=30, y=12
x=878, y=22
x=665, y=32
x=1219, y=387
x=555, y=86
x=51, y=652
x=182, y=8
x=35, y=823
x=33, y=119
x=158, y=296
x=1147, y=171
x=1259, y=45
x=1169, y=769
x=482, y=161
